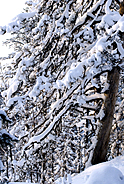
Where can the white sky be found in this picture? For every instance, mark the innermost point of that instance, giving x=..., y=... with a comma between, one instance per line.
x=8, y=10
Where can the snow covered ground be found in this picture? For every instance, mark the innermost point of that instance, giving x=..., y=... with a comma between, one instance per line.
x=111, y=172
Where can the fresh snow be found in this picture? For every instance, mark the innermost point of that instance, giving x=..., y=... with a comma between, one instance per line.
x=27, y=182
x=111, y=172
x=4, y=132
x=15, y=22
x=104, y=173
x=3, y=114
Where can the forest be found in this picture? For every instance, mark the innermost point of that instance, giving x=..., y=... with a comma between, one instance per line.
x=62, y=89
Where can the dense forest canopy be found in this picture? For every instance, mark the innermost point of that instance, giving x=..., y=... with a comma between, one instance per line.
x=63, y=89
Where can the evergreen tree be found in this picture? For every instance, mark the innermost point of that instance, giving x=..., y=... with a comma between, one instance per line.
x=67, y=67
x=6, y=140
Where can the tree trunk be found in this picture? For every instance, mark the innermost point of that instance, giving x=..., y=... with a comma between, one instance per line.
x=43, y=168
x=100, y=150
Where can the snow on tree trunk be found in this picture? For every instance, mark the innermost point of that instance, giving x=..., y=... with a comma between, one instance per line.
x=100, y=150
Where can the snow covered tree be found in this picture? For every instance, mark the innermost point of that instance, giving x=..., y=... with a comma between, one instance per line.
x=6, y=140
x=67, y=66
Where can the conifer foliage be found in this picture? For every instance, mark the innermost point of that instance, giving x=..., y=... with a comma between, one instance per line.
x=59, y=83
x=6, y=144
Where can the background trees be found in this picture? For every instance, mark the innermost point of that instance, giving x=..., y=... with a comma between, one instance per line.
x=69, y=54
x=6, y=145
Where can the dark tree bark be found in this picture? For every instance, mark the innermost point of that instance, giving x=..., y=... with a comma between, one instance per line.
x=43, y=169
x=100, y=150
x=121, y=10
